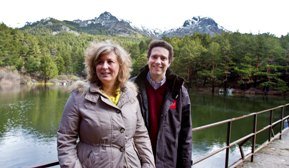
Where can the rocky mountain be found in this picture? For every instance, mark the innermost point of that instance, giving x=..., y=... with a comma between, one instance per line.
x=198, y=24
x=107, y=24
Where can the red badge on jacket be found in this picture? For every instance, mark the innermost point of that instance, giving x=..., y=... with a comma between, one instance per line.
x=173, y=105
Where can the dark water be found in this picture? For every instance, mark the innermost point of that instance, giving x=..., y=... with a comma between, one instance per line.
x=207, y=109
x=29, y=119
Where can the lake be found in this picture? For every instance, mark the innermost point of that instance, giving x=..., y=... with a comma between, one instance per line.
x=29, y=119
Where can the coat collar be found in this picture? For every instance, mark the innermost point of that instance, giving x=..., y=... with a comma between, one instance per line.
x=92, y=92
x=174, y=81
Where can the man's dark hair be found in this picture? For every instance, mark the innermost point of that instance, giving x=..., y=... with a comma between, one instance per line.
x=164, y=44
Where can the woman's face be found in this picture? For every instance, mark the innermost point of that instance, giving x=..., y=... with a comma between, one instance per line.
x=107, y=68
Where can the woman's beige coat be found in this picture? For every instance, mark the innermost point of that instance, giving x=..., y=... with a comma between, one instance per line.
x=94, y=132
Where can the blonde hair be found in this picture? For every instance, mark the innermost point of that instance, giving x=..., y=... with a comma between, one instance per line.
x=96, y=50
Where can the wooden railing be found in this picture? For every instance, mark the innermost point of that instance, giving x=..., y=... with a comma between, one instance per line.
x=47, y=165
x=283, y=117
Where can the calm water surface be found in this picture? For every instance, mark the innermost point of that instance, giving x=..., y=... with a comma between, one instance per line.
x=207, y=109
x=29, y=120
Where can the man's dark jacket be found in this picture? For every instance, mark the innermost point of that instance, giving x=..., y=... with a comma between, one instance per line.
x=174, y=139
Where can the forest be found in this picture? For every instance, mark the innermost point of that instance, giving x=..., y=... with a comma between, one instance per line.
x=227, y=60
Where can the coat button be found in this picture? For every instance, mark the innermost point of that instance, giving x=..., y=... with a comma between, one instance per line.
x=121, y=149
x=122, y=130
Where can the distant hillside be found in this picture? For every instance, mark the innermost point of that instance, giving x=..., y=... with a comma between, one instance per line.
x=107, y=24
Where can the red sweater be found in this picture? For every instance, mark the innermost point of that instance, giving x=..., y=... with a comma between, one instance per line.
x=155, y=102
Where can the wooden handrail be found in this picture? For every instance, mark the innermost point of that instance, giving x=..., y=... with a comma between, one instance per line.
x=251, y=136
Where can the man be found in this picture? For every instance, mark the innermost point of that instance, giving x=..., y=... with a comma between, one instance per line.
x=165, y=106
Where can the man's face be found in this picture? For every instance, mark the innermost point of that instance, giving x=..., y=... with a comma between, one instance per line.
x=158, y=63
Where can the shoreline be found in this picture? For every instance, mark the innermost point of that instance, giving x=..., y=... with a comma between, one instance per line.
x=12, y=79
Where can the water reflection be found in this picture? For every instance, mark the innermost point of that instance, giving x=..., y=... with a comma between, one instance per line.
x=29, y=119
x=25, y=148
x=217, y=160
x=208, y=108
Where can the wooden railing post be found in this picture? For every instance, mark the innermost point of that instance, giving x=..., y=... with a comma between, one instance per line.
x=254, y=136
x=229, y=128
x=282, y=122
x=270, y=127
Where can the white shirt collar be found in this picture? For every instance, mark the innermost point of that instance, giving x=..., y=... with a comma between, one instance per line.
x=155, y=84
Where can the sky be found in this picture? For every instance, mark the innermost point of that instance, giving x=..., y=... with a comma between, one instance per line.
x=244, y=16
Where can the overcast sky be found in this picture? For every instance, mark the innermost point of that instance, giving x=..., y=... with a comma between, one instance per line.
x=245, y=16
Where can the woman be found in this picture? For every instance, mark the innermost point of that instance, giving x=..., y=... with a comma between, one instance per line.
x=101, y=124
